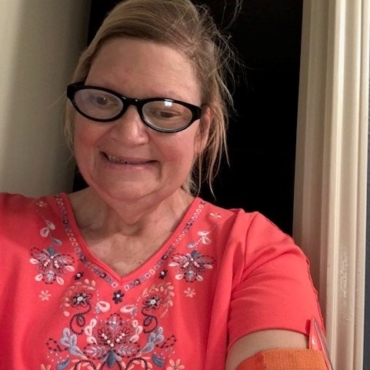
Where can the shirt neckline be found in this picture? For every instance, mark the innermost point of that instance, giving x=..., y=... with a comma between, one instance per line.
x=143, y=272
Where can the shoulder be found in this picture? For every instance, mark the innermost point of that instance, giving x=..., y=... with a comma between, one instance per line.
x=252, y=227
x=17, y=207
x=12, y=203
x=250, y=241
x=230, y=216
x=237, y=214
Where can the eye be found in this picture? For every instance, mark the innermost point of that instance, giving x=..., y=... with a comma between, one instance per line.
x=100, y=99
x=160, y=110
x=167, y=114
x=98, y=104
x=164, y=113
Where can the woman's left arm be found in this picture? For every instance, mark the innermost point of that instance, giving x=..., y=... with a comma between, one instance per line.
x=274, y=307
x=263, y=340
x=275, y=350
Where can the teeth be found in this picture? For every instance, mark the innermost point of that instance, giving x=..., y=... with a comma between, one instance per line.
x=117, y=160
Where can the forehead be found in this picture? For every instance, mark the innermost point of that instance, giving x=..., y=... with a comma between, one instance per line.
x=138, y=68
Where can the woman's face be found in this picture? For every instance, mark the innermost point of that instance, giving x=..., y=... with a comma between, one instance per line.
x=124, y=159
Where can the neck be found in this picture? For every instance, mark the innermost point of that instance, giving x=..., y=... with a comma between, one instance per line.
x=110, y=216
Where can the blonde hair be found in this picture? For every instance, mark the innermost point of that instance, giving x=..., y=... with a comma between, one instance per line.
x=191, y=30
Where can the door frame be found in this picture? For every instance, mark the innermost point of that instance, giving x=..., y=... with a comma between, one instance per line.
x=331, y=166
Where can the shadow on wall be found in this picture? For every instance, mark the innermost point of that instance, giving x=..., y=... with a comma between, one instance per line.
x=49, y=37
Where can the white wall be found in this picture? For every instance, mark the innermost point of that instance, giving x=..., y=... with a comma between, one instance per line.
x=40, y=41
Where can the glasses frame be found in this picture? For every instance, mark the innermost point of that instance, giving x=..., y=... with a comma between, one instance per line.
x=73, y=88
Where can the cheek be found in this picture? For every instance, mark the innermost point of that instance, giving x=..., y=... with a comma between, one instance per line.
x=84, y=144
x=78, y=139
x=181, y=149
x=85, y=135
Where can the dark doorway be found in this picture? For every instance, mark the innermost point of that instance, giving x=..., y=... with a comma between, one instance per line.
x=262, y=136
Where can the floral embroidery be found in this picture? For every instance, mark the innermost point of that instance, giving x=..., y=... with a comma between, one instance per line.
x=163, y=274
x=158, y=298
x=191, y=265
x=46, y=232
x=69, y=340
x=152, y=302
x=113, y=339
x=204, y=237
x=78, y=276
x=78, y=295
x=157, y=339
x=113, y=342
x=40, y=203
x=189, y=292
x=81, y=299
x=105, y=335
x=45, y=295
x=175, y=365
x=51, y=265
x=117, y=296
x=77, y=301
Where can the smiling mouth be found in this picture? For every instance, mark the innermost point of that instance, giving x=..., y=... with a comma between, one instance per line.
x=114, y=159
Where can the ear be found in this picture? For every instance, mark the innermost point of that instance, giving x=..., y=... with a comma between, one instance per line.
x=203, y=129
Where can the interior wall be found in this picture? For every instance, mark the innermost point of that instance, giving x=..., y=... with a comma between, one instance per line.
x=40, y=43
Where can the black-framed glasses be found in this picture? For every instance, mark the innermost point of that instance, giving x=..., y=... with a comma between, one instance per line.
x=104, y=105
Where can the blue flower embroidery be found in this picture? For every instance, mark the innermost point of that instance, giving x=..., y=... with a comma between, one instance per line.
x=70, y=342
x=191, y=265
x=51, y=265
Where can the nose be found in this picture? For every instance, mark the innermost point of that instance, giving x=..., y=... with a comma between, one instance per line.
x=129, y=128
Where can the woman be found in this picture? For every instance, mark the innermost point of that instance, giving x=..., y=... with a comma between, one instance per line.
x=136, y=271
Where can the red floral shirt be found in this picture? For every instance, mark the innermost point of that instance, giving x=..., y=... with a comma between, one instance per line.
x=221, y=275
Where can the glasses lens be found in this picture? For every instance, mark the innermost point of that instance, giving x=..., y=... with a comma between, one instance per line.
x=97, y=103
x=167, y=115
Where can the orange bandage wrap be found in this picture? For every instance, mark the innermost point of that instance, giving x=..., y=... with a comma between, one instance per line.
x=285, y=359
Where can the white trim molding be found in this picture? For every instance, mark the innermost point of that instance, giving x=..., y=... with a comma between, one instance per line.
x=331, y=166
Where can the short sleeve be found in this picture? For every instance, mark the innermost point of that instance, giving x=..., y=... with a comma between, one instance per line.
x=273, y=288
